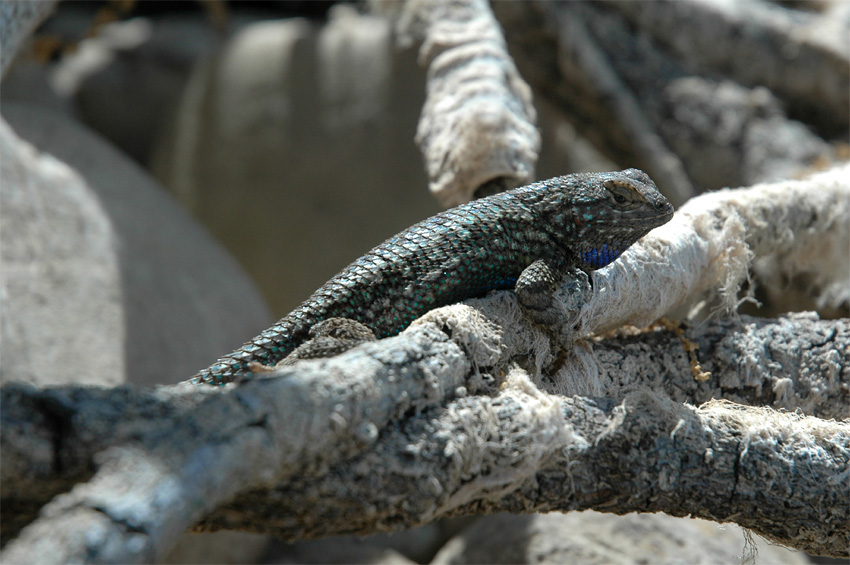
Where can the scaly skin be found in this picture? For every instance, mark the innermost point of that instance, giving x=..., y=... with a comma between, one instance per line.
x=523, y=239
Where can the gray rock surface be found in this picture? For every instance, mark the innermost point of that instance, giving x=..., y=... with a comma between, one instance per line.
x=105, y=280
x=63, y=320
x=147, y=62
x=183, y=300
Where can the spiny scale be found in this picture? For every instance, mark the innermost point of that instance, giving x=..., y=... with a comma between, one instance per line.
x=581, y=220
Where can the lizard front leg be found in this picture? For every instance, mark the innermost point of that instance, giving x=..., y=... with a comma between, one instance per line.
x=536, y=287
x=536, y=290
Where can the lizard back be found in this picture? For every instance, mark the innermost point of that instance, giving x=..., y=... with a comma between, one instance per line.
x=460, y=253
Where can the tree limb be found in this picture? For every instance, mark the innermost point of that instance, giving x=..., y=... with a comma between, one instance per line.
x=476, y=130
x=788, y=53
x=412, y=418
x=578, y=47
x=804, y=225
x=518, y=449
x=644, y=105
x=523, y=451
x=18, y=19
x=169, y=448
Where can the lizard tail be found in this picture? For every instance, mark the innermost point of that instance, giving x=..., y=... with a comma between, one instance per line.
x=267, y=348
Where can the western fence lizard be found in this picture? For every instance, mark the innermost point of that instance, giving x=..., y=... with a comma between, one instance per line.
x=525, y=239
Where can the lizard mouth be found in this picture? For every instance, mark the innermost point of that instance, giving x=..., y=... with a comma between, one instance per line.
x=666, y=216
x=631, y=220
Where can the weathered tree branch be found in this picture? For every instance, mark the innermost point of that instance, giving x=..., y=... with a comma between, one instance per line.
x=523, y=451
x=210, y=446
x=804, y=225
x=476, y=130
x=794, y=363
x=18, y=19
x=520, y=450
x=425, y=423
x=643, y=102
x=788, y=53
x=578, y=47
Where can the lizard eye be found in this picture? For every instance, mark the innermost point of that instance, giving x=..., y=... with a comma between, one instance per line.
x=623, y=196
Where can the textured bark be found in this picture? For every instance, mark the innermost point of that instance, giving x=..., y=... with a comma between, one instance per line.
x=381, y=419
x=522, y=452
x=487, y=444
x=639, y=82
x=18, y=19
x=476, y=130
x=180, y=451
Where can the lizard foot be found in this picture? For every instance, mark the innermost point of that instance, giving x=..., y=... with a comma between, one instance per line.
x=329, y=338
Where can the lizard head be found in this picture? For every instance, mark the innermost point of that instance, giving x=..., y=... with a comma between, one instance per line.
x=599, y=215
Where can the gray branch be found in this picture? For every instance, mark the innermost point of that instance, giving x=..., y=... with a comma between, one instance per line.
x=476, y=130
x=522, y=451
x=639, y=82
x=795, y=55
x=511, y=447
x=18, y=19
x=578, y=47
x=466, y=412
